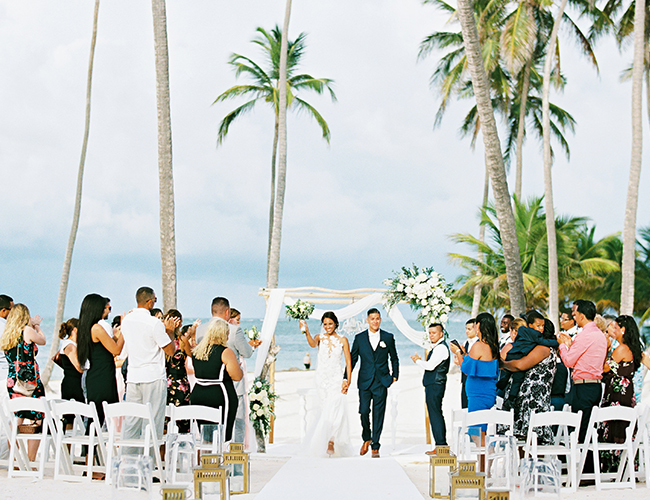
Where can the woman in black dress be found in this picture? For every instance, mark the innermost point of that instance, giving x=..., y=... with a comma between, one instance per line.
x=72, y=370
x=215, y=367
x=96, y=346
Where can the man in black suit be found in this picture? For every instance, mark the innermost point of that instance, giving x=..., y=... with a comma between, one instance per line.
x=374, y=346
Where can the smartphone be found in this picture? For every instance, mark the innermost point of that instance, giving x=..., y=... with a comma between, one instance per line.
x=457, y=344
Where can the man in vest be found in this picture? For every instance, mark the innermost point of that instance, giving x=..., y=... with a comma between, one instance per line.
x=435, y=381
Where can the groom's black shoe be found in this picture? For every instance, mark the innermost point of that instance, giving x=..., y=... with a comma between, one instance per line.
x=364, y=447
x=375, y=453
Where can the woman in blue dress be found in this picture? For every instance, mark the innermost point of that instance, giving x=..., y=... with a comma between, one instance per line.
x=481, y=365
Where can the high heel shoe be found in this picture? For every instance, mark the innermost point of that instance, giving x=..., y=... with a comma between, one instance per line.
x=330, y=448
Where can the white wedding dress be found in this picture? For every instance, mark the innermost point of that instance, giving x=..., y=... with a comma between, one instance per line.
x=332, y=416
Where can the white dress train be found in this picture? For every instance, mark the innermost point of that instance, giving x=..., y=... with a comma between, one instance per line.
x=332, y=423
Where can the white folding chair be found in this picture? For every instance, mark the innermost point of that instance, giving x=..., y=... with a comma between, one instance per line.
x=147, y=443
x=642, y=442
x=491, y=418
x=626, y=465
x=5, y=435
x=18, y=453
x=75, y=438
x=562, y=446
x=457, y=418
x=194, y=413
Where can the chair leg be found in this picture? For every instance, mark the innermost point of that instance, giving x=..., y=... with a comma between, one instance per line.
x=596, y=457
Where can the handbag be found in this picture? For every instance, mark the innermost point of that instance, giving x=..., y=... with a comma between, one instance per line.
x=23, y=387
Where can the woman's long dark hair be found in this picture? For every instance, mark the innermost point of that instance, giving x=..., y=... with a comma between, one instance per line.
x=488, y=328
x=92, y=310
x=631, y=338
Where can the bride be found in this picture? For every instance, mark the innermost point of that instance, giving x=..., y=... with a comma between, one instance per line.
x=330, y=433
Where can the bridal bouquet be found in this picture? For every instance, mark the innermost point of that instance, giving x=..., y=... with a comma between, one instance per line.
x=261, y=398
x=425, y=291
x=253, y=333
x=301, y=309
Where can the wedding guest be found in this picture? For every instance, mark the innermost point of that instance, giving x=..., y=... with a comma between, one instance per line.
x=568, y=324
x=506, y=321
x=307, y=361
x=241, y=346
x=6, y=303
x=214, y=385
x=618, y=381
x=472, y=337
x=235, y=317
x=586, y=355
x=147, y=342
x=96, y=350
x=178, y=386
x=535, y=320
x=481, y=365
x=157, y=313
x=19, y=340
x=71, y=384
x=529, y=389
x=434, y=380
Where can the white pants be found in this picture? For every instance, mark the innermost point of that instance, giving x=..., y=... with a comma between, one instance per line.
x=146, y=392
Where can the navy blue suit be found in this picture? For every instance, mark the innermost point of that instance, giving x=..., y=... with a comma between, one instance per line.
x=375, y=378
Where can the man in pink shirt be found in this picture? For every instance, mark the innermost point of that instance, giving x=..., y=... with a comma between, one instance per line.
x=586, y=355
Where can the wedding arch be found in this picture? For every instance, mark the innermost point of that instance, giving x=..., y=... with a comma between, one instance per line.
x=354, y=302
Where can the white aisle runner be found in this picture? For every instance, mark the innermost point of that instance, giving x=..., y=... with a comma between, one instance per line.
x=340, y=478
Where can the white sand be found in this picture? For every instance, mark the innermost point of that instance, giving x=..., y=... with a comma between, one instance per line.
x=403, y=440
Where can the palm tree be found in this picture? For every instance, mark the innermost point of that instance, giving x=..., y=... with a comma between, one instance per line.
x=584, y=264
x=264, y=88
x=632, y=201
x=165, y=170
x=493, y=156
x=553, y=279
x=67, y=263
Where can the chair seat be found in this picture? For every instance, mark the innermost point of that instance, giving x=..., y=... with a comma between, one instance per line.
x=553, y=449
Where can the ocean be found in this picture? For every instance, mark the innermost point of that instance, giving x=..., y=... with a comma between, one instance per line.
x=290, y=339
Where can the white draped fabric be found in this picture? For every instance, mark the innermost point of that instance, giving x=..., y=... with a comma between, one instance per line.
x=274, y=308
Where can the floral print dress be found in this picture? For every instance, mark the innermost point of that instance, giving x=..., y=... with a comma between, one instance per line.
x=178, y=386
x=534, y=395
x=619, y=391
x=22, y=362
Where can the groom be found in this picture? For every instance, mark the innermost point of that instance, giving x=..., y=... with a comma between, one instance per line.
x=374, y=346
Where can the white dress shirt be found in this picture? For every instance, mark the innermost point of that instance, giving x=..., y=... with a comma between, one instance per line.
x=373, y=337
x=438, y=356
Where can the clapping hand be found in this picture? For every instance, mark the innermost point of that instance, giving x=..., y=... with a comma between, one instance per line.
x=36, y=321
x=415, y=357
x=172, y=323
x=564, y=339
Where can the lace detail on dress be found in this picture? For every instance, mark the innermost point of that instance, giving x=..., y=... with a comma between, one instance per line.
x=329, y=372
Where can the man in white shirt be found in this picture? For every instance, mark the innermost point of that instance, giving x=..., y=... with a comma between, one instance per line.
x=147, y=343
x=435, y=368
x=242, y=347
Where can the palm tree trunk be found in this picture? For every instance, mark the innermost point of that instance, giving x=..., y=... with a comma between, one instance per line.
x=476, y=300
x=522, y=128
x=272, y=204
x=553, y=280
x=274, y=265
x=65, y=275
x=631, y=205
x=494, y=158
x=165, y=170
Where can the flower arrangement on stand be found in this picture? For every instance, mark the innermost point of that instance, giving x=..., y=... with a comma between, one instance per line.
x=261, y=398
x=300, y=310
x=425, y=290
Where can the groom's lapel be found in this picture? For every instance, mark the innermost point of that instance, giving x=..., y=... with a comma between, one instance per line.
x=366, y=340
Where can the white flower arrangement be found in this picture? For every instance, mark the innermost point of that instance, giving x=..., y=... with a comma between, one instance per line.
x=425, y=290
x=300, y=310
x=253, y=333
x=261, y=398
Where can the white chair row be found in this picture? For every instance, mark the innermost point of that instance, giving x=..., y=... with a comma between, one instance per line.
x=61, y=444
x=566, y=426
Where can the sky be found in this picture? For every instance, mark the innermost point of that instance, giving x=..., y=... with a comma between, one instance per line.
x=386, y=192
